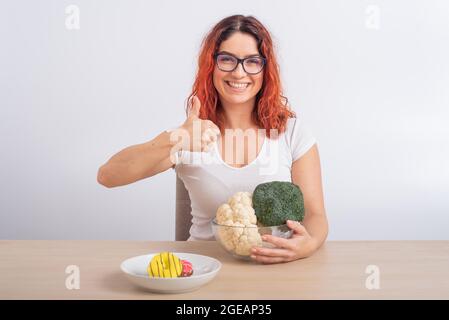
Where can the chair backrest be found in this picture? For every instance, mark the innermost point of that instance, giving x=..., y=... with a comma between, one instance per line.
x=183, y=211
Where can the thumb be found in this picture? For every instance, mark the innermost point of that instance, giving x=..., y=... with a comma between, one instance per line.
x=297, y=227
x=195, y=105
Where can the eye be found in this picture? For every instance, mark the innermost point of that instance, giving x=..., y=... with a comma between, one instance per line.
x=225, y=58
x=254, y=61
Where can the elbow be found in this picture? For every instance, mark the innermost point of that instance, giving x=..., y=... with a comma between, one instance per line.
x=325, y=225
x=102, y=178
x=326, y=230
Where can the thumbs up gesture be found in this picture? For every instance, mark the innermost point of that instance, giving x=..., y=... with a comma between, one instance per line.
x=199, y=135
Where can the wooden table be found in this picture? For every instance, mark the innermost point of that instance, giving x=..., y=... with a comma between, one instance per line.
x=407, y=270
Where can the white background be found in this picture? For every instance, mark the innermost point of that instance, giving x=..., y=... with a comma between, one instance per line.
x=369, y=78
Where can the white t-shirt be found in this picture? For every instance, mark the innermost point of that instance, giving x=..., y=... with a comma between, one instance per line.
x=210, y=181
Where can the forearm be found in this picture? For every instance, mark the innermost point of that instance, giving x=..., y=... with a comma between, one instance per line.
x=137, y=161
x=150, y=152
x=317, y=226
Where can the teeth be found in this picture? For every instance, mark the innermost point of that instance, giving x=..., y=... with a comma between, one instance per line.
x=238, y=85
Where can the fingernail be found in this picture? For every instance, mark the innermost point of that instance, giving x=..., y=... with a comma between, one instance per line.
x=264, y=238
x=253, y=256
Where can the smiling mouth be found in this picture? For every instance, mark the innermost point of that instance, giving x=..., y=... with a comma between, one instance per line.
x=237, y=86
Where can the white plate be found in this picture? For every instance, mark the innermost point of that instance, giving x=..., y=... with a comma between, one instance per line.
x=204, y=270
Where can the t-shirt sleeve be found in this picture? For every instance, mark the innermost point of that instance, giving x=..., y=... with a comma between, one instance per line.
x=176, y=156
x=176, y=159
x=301, y=138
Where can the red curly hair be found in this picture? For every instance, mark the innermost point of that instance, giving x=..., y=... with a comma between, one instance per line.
x=272, y=110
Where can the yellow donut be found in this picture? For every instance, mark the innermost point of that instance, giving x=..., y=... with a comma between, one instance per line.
x=165, y=265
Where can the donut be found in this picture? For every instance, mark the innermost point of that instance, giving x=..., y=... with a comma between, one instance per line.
x=187, y=269
x=165, y=265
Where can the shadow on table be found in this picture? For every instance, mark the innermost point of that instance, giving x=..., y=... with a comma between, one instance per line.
x=116, y=282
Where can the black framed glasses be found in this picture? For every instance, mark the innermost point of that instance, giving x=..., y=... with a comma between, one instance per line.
x=228, y=63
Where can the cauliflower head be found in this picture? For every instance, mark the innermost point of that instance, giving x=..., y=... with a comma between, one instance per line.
x=242, y=234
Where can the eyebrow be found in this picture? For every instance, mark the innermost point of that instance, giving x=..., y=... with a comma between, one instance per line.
x=248, y=56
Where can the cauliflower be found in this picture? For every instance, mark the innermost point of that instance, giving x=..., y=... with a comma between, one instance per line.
x=239, y=214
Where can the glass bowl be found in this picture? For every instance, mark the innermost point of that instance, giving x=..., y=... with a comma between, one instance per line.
x=238, y=241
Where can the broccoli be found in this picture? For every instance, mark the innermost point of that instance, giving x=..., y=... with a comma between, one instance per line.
x=278, y=201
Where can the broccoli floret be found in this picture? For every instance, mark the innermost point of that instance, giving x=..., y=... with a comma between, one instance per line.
x=278, y=201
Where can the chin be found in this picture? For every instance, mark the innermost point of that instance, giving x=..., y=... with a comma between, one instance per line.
x=237, y=100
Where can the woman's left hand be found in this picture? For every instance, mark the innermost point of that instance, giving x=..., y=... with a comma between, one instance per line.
x=300, y=245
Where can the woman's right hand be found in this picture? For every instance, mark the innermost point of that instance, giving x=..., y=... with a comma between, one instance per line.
x=196, y=134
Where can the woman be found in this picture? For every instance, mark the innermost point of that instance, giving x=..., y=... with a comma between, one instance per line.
x=236, y=95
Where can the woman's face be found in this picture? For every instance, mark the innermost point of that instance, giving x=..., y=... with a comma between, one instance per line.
x=240, y=45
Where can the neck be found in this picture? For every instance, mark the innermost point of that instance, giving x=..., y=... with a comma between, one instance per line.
x=239, y=116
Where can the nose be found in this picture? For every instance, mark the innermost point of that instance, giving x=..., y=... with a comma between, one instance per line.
x=239, y=72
